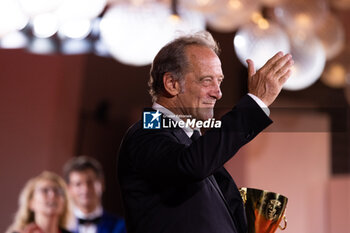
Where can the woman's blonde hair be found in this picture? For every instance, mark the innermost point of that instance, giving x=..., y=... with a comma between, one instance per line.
x=25, y=215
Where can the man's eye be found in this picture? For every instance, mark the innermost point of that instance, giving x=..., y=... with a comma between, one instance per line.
x=206, y=80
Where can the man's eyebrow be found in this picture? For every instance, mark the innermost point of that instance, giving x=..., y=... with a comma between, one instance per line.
x=221, y=77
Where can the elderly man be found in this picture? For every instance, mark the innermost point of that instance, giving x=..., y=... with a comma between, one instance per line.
x=172, y=179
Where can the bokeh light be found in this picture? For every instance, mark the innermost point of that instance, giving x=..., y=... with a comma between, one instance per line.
x=43, y=46
x=231, y=14
x=301, y=14
x=309, y=57
x=75, y=29
x=135, y=34
x=204, y=6
x=14, y=40
x=12, y=17
x=260, y=42
x=271, y=3
x=332, y=35
x=76, y=46
x=36, y=7
x=45, y=25
x=337, y=70
x=80, y=9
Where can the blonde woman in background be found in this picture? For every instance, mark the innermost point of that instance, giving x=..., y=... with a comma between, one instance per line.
x=44, y=206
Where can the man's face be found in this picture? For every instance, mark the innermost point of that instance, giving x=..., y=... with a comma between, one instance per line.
x=201, y=87
x=85, y=189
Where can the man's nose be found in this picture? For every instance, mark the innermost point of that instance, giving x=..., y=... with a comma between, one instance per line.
x=216, y=91
x=84, y=188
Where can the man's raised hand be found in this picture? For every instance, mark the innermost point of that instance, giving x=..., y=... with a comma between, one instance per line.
x=267, y=82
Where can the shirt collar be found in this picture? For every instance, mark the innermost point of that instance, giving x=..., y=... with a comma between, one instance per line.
x=94, y=214
x=166, y=112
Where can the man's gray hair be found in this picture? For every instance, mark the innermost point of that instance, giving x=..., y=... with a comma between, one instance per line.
x=172, y=58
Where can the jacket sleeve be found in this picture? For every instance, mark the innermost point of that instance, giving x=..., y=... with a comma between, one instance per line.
x=158, y=155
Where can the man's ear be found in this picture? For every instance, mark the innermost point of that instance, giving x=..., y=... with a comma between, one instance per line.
x=171, y=85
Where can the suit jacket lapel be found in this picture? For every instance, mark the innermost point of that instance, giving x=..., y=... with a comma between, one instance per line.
x=182, y=136
x=232, y=198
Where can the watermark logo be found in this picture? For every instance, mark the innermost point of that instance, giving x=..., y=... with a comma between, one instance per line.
x=191, y=123
x=152, y=120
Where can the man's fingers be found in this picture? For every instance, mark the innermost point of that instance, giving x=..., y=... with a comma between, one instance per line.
x=285, y=77
x=251, y=68
x=272, y=61
x=283, y=67
x=282, y=63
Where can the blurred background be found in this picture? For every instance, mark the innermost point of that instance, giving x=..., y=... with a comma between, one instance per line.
x=73, y=78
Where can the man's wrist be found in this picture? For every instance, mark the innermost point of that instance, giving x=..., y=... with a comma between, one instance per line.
x=262, y=105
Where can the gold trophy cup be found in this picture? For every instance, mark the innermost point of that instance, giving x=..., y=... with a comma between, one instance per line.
x=264, y=210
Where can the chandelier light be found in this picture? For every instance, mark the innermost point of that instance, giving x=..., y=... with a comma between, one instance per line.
x=14, y=40
x=135, y=34
x=45, y=25
x=33, y=8
x=332, y=35
x=231, y=14
x=203, y=6
x=75, y=28
x=309, y=61
x=80, y=9
x=259, y=42
x=133, y=31
x=271, y=3
x=337, y=70
x=12, y=18
x=301, y=15
x=76, y=46
x=43, y=46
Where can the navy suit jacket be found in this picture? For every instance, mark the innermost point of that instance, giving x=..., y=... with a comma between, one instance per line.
x=171, y=184
x=110, y=224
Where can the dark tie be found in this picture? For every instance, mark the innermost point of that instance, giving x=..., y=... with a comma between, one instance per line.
x=195, y=135
x=89, y=221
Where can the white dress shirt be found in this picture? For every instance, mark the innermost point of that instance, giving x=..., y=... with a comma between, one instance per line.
x=261, y=104
x=87, y=228
x=166, y=112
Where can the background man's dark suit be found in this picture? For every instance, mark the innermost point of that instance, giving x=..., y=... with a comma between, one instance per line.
x=171, y=184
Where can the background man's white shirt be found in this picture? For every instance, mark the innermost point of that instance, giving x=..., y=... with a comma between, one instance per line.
x=87, y=228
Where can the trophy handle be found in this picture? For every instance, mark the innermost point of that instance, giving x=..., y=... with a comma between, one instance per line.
x=285, y=223
x=243, y=192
